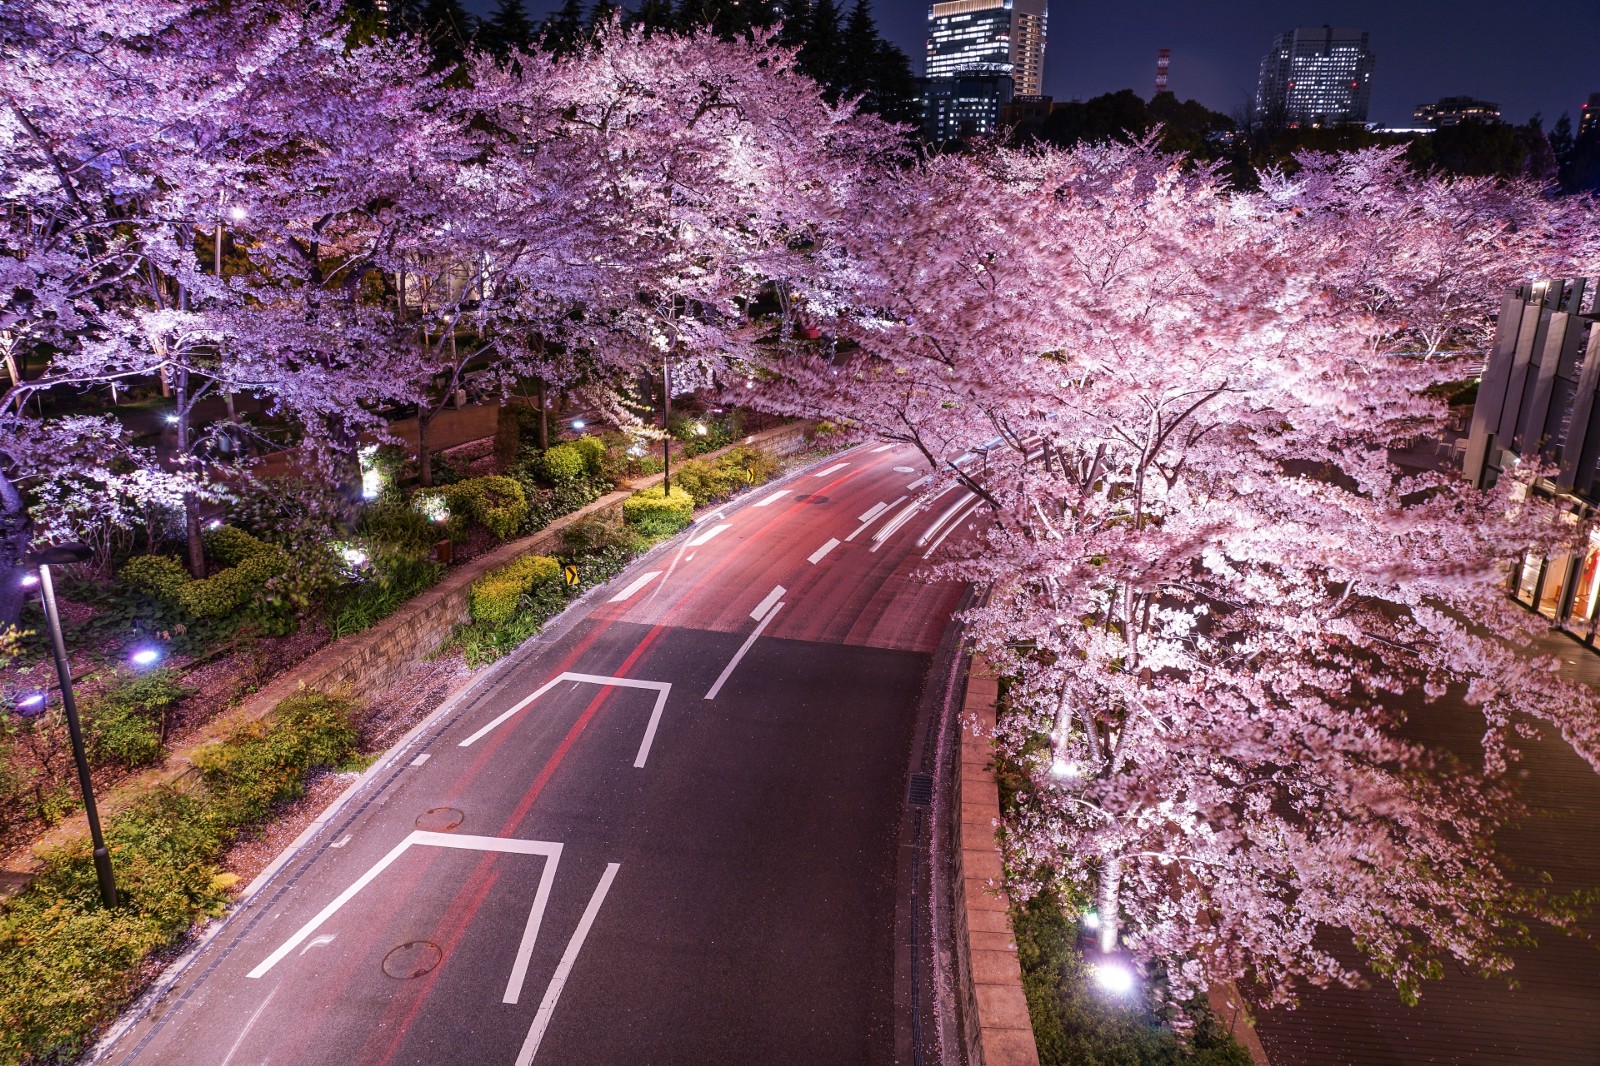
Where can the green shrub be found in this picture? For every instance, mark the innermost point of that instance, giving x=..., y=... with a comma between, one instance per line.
x=656, y=514
x=753, y=465
x=264, y=763
x=495, y=597
x=230, y=590
x=706, y=481
x=562, y=463
x=394, y=580
x=495, y=502
x=125, y=722
x=598, y=532
x=159, y=575
x=394, y=524
x=593, y=450
x=231, y=546
x=68, y=963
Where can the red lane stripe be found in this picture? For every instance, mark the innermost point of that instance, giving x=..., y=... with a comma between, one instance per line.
x=447, y=945
x=571, y=738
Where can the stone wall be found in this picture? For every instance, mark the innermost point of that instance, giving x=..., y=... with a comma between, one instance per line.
x=995, y=1028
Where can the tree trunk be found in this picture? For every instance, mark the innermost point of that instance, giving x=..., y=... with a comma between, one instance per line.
x=544, y=419
x=1110, y=893
x=424, y=460
x=191, y=502
x=16, y=533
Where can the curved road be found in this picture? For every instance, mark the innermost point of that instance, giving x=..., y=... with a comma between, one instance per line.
x=673, y=830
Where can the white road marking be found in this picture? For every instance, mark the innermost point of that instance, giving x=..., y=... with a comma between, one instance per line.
x=558, y=981
x=727, y=671
x=530, y=933
x=234, y=1050
x=766, y=604
x=341, y=842
x=638, y=583
x=921, y=481
x=835, y=468
x=949, y=513
x=661, y=689
x=873, y=512
x=690, y=557
x=872, y=516
x=317, y=942
x=702, y=538
x=951, y=529
x=905, y=470
x=880, y=448
x=549, y=850
x=889, y=529
x=817, y=556
x=420, y=759
x=774, y=498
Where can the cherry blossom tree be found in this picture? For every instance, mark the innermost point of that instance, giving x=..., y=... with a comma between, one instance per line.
x=1212, y=583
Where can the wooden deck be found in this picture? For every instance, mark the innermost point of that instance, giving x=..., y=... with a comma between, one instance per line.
x=1554, y=1016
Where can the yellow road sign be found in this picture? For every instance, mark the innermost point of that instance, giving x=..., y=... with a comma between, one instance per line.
x=572, y=575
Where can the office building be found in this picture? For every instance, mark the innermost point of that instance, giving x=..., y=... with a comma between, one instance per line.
x=967, y=37
x=1539, y=399
x=963, y=107
x=1454, y=110
x=1589, y=116
x=1315, y=76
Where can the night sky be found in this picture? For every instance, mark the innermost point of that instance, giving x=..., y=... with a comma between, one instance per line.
x=1527, y=60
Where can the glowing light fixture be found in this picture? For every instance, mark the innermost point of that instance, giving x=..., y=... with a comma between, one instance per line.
x=1114, y=976
x=30, y=580
x=145, y=657
x=577, y=424
x=1091, y=920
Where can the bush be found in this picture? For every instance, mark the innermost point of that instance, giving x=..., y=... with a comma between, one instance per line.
x=69, y=963
x=495, y=502
x=718, y=432
x=231, y=546
x=656, y=514
x=125, y=723
x=754, y=465
x=264, y=763
x=394, y=524
x=159, y=575
x=394, y=580
x=1073, y=1024
x=593, y=450
x=562, y=463
x=597, y=533
x=495, y=597
x=230, y=590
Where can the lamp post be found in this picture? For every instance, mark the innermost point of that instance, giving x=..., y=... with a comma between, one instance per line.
x=666, y=430
x=62, y=554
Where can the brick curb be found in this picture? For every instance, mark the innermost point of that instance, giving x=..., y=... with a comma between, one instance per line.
x=364, y=663
x=995, y=1027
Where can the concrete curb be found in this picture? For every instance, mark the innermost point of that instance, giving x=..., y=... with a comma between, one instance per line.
x=995, y=1027
x=366, y=662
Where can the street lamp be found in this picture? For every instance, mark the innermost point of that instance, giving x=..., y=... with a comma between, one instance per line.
x=60, y=555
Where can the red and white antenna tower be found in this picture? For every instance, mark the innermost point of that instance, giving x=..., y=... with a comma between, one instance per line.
x=1163, y=61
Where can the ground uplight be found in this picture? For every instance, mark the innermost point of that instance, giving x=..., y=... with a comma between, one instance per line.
x=145, y=657
x=1114, y=976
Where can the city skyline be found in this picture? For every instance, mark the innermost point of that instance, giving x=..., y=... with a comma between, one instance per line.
x=1428, y=49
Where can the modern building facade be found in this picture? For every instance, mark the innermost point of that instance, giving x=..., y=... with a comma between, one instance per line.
x=963, y=107
x=1315, y=76
x=1454, y=110
x=1540, y=398
x=967, y=37
x=1589, y=115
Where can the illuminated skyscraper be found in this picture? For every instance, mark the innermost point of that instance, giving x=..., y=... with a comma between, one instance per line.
x=1315, y=76
x=967, y=37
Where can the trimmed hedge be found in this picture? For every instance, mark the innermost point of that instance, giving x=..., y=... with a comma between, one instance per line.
x=251, y=564
x=494, y=597
x=495, y=502
x=656, y=514
x=159, y=575
x=561, y=463
x=67, y=964
x=710, y=480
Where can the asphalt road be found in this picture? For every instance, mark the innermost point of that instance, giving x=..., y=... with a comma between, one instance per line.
x=674, y=830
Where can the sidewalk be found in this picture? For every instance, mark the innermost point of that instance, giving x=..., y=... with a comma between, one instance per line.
x=1554, y=1016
